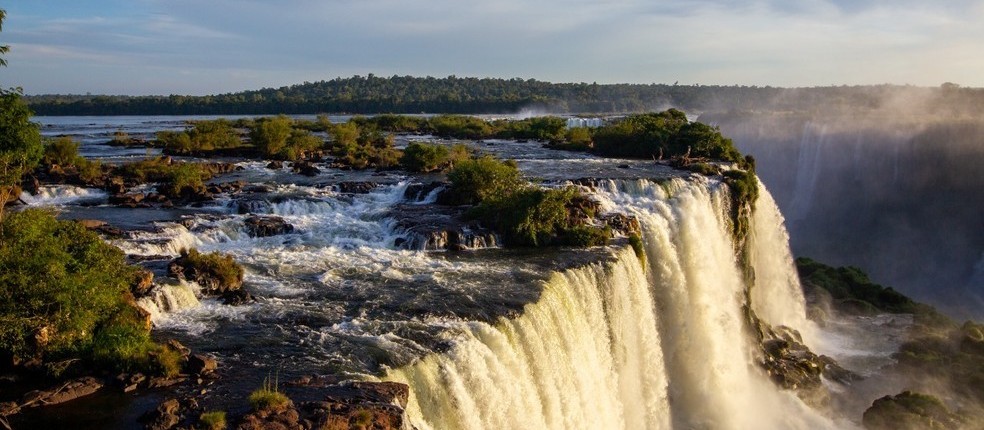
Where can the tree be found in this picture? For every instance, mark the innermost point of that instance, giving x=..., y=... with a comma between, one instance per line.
x=20, y=139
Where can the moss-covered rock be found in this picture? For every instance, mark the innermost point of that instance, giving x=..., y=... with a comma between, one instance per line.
x=910, y=411
x=217, y=274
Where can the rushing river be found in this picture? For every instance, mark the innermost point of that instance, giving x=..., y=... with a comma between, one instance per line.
x=486, y=338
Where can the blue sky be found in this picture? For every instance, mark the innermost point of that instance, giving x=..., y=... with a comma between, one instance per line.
x=217, y=46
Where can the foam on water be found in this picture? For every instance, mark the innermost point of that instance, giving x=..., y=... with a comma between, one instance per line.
x=58, y=195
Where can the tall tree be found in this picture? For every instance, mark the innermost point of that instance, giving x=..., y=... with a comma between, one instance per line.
x=20, y=139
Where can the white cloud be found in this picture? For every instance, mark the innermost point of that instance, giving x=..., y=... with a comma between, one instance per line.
x=241, y=44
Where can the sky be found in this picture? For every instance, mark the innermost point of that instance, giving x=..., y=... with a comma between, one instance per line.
x=198, y=47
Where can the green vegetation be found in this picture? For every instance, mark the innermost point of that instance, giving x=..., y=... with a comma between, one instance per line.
x=663, y=135
x=910, y=411
x=64, y=296
x=411, y=95
x=851, y=289
x=525, y=215
x=267, y=398
x=214, y=271
x=428, y=157
x=175, y=180
x=213, y=420
x=636, y=243
x=203, y=136
x=61, y=151
x=363, y=147
x=279, y=137
x=20, y=144
x=480, y=179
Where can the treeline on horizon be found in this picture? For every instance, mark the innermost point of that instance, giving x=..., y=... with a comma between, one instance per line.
x=411, y=95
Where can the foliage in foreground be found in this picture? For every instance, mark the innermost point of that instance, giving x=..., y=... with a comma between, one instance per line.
x=20, y=143
x=213, y=420
x=64, y=295
x=268, y=397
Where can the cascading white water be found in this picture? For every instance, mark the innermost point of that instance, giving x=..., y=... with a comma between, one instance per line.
x=169, y=298
x=777, y=297
x=586, y=355
x=611, y=346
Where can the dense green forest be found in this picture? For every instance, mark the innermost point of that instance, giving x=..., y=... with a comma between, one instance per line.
x=405, y=94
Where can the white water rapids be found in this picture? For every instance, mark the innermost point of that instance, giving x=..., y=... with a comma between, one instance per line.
x=651, y=343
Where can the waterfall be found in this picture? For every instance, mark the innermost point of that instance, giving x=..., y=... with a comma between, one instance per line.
x=167, y=298
x=656, y=342
x=575, y=359
x=777, y=297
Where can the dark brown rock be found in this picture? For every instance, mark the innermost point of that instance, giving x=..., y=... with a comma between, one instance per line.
x=263, y=226
x=276, y=165
x=361, y=187
x=199, y=364
x=142, y=283
x=69, y=391
x=305, y=168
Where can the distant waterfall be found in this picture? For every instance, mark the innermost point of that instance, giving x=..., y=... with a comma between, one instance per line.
x=619, y=346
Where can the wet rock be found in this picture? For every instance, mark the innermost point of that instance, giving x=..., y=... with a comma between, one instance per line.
x=253, y=206
x=216, y=273
x=264, y=226
x=275, y=165
x=622, y=224
x=31, y=184
x=129, y=382
x=142, y=283
x=199, y=364
x=165, y=417
x=91, y=224
x=69, y=391
x=910, y=411
x=237, y=297
x=361, y=187
x=126, y=199
x=115, y=185
x=418, y=192
x=305, y=168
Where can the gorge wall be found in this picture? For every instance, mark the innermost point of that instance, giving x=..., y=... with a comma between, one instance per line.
x=898, y=195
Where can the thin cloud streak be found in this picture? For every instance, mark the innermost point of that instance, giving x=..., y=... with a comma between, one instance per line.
x=225, y=45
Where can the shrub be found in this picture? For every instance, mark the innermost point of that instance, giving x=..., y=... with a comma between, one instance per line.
x=214, y=420
x=427, y=157
x=203, y=136
x=182, y=179
x=485, y=178
x=537, y=217
x=364, y=147
x=577, y=138
x=62, y=151
x=214, y=271
x=90, y=171
x=268, y=397
x=849, y=283
x=278, y=138
x=64, y=293
x=460, y=127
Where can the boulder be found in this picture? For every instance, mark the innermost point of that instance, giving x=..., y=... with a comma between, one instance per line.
x=359, y=187
x=275, y=165
x=165, y=417
x=199, y=364
x=216, y=273
x=622, y=224
x=910, y=411
x=305, y=168
x=142, y=283
x=264, y=226
x=69, y=391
